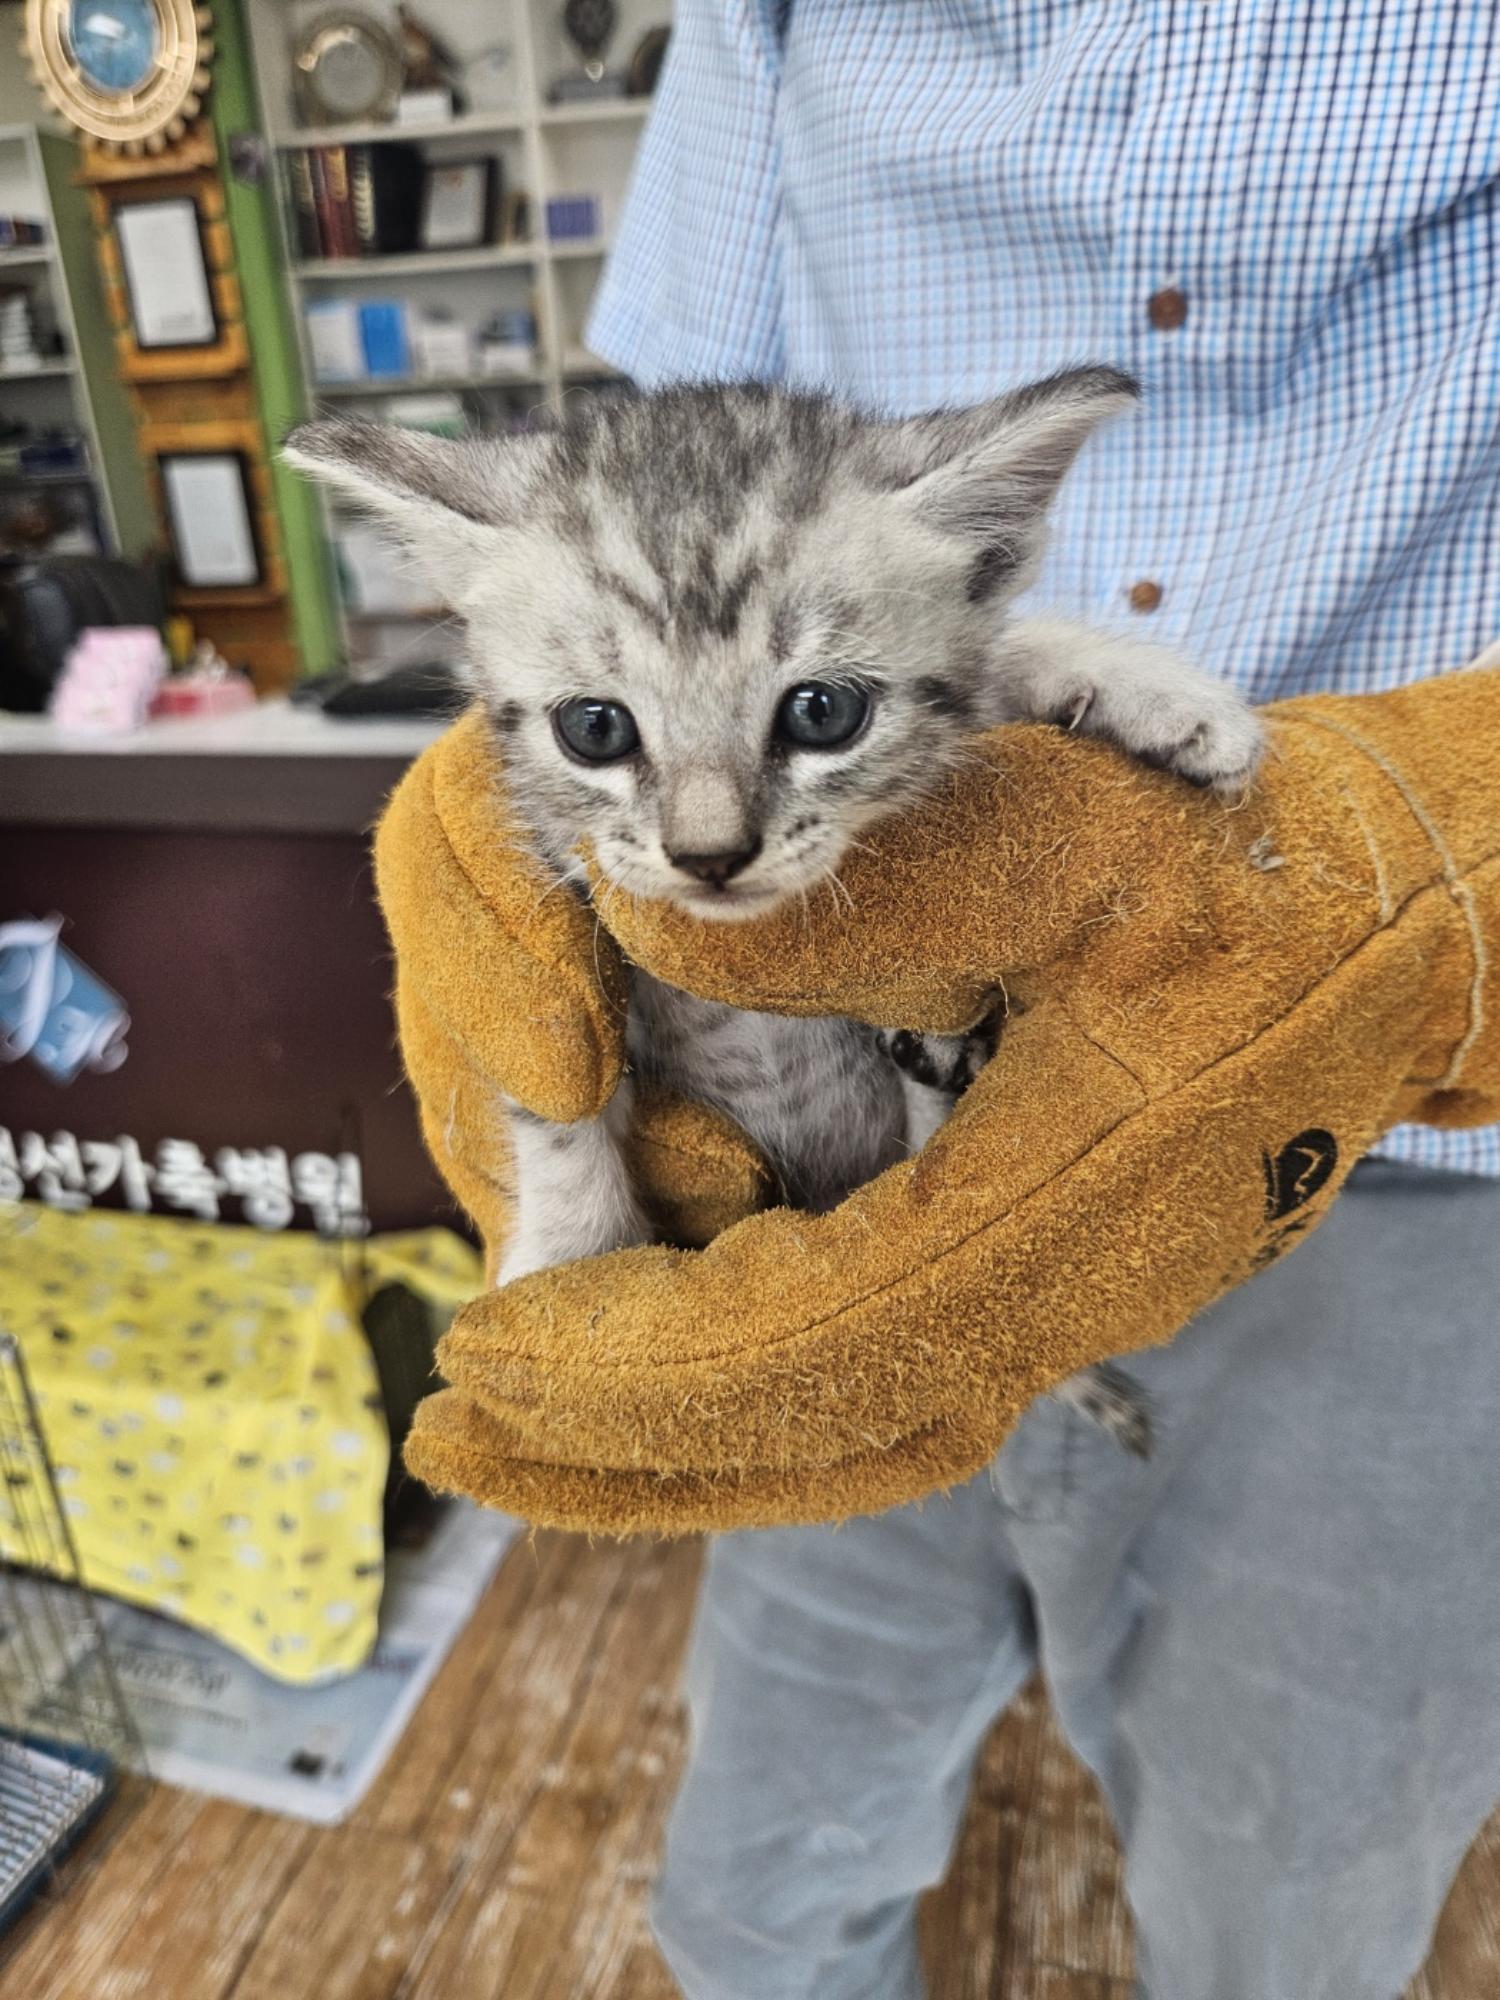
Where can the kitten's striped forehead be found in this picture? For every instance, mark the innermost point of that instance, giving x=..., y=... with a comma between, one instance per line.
x=681, y=507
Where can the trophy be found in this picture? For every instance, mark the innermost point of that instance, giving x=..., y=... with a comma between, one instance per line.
x=590, y=26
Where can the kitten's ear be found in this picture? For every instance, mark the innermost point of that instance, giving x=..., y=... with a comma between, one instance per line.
x=447, y=498
x=988, y=475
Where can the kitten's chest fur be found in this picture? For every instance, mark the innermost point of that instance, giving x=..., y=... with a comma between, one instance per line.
x=819, y=1097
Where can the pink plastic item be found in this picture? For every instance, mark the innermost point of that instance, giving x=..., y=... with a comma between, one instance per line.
x=209, y=687
x=106, y=685
x=203, y=694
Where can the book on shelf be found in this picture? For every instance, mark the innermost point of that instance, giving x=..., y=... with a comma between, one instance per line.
x=340, y=204
x=304, y=205
x=356, y=201
x=323, y=205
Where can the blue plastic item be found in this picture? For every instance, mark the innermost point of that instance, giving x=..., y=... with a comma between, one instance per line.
x=382, y=332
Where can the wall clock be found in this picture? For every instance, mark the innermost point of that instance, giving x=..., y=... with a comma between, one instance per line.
x=127, y=74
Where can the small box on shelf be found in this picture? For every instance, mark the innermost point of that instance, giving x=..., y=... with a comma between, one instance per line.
x=22, y=232
x=507, y=344
x=335, y=345
x=440, y=349
x=572, y=218
x=426, y=107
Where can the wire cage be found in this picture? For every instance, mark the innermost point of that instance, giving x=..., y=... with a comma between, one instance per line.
x=66, y=1735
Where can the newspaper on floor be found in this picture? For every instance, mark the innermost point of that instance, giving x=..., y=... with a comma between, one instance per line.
x=212, y=1723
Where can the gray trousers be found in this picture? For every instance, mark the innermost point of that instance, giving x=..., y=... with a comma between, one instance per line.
x=1277, y=1645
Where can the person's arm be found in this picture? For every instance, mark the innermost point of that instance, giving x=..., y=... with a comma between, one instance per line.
x=693, y=287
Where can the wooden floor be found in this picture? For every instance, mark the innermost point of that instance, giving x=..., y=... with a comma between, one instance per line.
x=506, y=1851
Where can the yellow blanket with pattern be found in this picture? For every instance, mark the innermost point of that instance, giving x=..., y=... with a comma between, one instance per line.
x=211, y=1407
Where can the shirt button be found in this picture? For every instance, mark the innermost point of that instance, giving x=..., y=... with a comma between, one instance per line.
x=1144, y=596
x=1167, y=309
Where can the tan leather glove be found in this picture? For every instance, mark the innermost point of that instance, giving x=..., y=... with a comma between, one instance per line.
x=506, y=987
x=1214, y=1011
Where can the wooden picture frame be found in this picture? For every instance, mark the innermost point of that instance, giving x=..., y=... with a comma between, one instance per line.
x=458, y=204
x=209, y=501
x=168, y=353
x=168, y=285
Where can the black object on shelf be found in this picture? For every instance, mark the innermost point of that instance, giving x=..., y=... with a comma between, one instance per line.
x=416, y=688
x=646, y=59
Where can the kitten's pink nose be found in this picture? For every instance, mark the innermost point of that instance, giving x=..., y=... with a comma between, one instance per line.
x=716, y=868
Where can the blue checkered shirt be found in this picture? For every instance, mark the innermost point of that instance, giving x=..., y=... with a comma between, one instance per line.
x=1283, y=216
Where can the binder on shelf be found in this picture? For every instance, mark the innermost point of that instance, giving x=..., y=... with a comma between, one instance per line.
x=386, y=190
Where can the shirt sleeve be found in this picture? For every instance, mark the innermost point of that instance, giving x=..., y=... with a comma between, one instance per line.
x=692, y=290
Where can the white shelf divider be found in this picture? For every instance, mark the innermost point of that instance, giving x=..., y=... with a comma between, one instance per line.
x=45, y=370
x=405, y=385
x=416, y=263
x=607, y=111
x=576, y=250
x=467, y=125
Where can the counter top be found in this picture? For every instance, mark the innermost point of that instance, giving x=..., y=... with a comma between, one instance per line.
x=271, y=728
x=273, y=768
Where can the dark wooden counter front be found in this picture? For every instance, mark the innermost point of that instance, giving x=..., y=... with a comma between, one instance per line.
x=222, y=890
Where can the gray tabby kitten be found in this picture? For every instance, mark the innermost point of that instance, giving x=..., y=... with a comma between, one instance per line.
x=718, y=633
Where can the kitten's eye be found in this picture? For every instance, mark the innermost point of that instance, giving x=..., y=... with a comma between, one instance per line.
x=600, y=732
x=822, y=715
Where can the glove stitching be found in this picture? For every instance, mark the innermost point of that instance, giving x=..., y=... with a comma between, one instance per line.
x=1457, y=886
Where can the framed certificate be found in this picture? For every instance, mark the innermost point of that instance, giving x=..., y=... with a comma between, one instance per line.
x=211, y=519
x=458, y=204
x=166, y=274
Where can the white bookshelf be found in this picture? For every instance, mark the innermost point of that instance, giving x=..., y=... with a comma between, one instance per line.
x=52, y=391
x=622, y=111
x=544, y=151
x=465, y=125
x=373, y=387
x=413, y=264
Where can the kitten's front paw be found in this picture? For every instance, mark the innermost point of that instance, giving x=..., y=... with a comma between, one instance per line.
x=1170, y=715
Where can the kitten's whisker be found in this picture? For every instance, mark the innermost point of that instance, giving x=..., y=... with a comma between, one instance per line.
x=562, y=882
x=601, y=911
x=832, y=878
